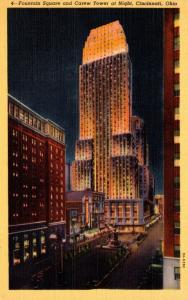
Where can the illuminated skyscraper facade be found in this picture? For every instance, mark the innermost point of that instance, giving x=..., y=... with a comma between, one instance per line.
x=111, y=145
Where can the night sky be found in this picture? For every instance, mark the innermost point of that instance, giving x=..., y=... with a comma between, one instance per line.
x=44, y=54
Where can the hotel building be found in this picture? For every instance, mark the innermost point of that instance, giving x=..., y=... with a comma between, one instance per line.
x=36, y=151
x=171, y=150
x=111, y=153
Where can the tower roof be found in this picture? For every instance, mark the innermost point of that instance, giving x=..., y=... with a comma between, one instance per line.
x=103, y=41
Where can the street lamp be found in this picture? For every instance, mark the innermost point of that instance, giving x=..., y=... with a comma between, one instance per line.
x=56, y=254
x=98, y=220
x=62, y=249
x=133, y=219
x=73, y=221
x=133, y=224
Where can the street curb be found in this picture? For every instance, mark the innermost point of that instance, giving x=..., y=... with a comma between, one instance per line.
x=141, y=241
x=110, y=272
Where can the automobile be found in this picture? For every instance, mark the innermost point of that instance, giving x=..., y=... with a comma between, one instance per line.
x=91, y=284
x=141, y=236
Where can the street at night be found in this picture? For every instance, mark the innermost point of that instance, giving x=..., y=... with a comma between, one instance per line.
x=127, y=273
x=131, y=272
x=105, y=268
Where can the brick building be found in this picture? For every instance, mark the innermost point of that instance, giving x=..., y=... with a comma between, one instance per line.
x=36, y=185
x=171, y=150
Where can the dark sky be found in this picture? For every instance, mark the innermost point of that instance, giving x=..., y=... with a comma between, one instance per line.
x=45, y=51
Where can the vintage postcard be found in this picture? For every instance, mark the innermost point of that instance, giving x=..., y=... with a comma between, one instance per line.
x=93, y=149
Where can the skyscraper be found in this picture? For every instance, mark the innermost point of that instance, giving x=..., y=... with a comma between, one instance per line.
x=112, y=144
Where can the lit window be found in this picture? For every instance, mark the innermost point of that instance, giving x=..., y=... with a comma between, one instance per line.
x=26, y=247
x=16, y=111
x=24, y=147
x=34, y=246
x=11, y=108
x=34, y=122
x=43, y=243
x=176, y=181
x=176, y=63
x=176, y=43
x=177, y=251
x=16, y=251
x=25, y=156
x=177, y=205
x=177, y=273
x=177, y=227
x=26, y=117
x=14, y=132
x=30, y=120
x=176, y=89
x=34, y=160
x=33, y=141
x=21, y=114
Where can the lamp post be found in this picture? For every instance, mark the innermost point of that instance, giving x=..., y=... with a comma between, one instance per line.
x=56, y=254
x=133, y=218
x=98, y=220
x=73, y=221
x=90, y=216
x=62, y=249
x=133, y=224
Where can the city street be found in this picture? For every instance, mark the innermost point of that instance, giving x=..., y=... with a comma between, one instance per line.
x=131, y=272
x=88, y=270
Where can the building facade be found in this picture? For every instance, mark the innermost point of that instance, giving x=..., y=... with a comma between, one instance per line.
x=36, y=186
x=111, y=153
x=159, y=205
x=171, y=151
x=67, y=176
x=84, y=210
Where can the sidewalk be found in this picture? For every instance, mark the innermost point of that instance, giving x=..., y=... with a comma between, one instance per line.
x=89, y=240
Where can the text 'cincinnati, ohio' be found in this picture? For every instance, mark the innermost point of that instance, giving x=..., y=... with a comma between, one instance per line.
x=149, y=3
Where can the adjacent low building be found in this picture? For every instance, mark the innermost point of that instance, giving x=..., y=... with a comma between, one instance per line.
x=84, y=210
x=159, y=205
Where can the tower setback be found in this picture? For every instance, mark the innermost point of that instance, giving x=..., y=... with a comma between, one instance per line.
x=111, y=149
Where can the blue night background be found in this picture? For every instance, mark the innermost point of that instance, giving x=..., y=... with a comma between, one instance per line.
x=44, y=54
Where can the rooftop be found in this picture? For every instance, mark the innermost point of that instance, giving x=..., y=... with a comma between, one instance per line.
x=33, y=120
x=104, y=41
